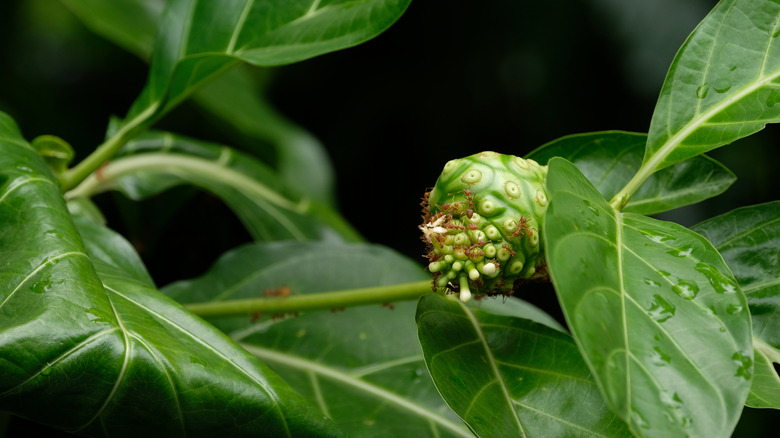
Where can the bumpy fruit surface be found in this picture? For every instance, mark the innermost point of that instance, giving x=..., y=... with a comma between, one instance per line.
x=481, y=224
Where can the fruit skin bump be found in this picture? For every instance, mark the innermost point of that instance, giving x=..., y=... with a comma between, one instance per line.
x=481, y=225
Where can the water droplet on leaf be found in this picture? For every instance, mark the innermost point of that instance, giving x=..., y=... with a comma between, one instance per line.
x=661, y=309
x=685, y=252
x=733, y=308
x=686, y=290
x=659, y=357
x=702, y=91
x=745, y=365
x=719, y=282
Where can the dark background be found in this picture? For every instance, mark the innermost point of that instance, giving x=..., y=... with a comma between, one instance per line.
x=449, y=79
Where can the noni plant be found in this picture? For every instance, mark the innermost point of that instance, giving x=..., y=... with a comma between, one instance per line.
x=305, y=329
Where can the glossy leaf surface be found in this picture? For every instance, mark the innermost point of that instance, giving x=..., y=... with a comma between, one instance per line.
x=234, y=98
x=724, y=83
x=609, y=160
x=157, y=161
x=87, y=344
x=202, y=39
x=657, y=315
x=131, y=24
x=363, y=365
x=508, y=376
x=749, y=240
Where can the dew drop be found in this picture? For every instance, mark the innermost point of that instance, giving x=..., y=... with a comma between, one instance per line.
x=733, y=308
x=723, y=89
x=40, y=287
x=46, y=371
x=702, y=91
x=681, y=252
x=653, y=283
x=659, y=357
x=591, y=207
x=745, y=365
x=734, y=67
x=686, y=290
x=776, y=34
x=661, y=309
x=658, y=237
x=719, y=282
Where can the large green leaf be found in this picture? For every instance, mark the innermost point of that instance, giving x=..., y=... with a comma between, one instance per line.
x=609, y=159
x=88, y=345
x=233, y=97
x=724, y=83
x=363, y=365
x=198, y=40
x=656, y=312
x=156, y=161
x=749, y=240
x=508, y=376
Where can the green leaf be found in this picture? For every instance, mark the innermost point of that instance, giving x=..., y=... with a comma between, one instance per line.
x=158, y=161
x=609, y=159
x=88, y=345
x=131, y=24
x=749, y=240
x=199, y=40
x=508, y=376
x=654, y=309
x=363, y=365
x=301, y=160
x=724, y=83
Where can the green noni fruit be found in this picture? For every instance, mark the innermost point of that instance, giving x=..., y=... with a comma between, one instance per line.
x=481, y=224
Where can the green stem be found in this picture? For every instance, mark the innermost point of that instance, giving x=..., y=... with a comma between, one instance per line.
x=203, y=172
x=319, y=301
x=74, y=176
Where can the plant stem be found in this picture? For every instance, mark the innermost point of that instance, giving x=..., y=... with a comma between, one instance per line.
x=205, y=173
x=74, y=176
x=318, y=301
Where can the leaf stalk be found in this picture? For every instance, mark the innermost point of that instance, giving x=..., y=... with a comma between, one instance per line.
x=309, y=302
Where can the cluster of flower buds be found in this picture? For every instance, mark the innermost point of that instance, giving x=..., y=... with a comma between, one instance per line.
x=481, y=224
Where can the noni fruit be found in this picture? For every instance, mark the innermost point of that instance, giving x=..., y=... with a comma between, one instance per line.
x=481, y=224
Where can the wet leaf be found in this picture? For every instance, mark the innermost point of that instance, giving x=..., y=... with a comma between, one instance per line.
x=87, y=344
x=749, y=240
x=656, y=312
x=609, y=160
x=509, y=376
x=363, y=365
x=723, y=84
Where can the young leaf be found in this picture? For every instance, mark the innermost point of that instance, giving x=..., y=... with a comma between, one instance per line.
x=507, y=376
x=749, y=240
x=654, y=309
x=157, y=161
x=202, y=39
x=724, y=83
x=609, y=159
x=88, y=345
x=363, y=365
